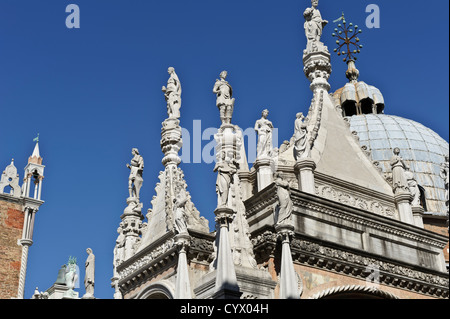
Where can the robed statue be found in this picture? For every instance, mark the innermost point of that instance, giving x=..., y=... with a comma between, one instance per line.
x=314, y=25
x=172, y=93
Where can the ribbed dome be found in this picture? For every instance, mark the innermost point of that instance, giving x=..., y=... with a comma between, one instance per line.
x=421, y=148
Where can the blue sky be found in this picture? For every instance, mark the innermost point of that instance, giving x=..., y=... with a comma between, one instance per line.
x=94, y=93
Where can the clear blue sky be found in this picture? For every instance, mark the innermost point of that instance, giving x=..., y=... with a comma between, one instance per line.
x=94, y=93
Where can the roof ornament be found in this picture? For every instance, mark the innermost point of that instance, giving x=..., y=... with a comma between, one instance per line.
x=348, y=34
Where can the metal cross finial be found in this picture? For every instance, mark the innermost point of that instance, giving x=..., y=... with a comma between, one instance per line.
x=36, y=139
x=349, y=35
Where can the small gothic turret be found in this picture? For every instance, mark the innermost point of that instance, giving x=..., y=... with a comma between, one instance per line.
x=34, y=173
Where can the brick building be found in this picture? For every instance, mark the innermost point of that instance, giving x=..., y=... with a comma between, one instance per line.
x=18, y=208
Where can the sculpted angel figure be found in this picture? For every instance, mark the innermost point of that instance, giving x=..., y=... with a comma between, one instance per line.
x=302, y=148
x=135, y=179
x=400, y=183
x=225, y=100
x=264, y=127
x=314, y=25
x=172, y=93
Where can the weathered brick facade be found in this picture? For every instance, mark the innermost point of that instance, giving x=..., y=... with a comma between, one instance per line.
x=11, y=224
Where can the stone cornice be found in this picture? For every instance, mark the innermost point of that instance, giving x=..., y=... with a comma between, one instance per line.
x=24, y=201
x=357, y=264
x=160, y=255
x=368, y=219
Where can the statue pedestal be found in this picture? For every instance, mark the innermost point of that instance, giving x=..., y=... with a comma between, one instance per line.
x=304, y=169
x=182, y=286
x=417, y=212
x=317, y=68
x=226, y=286
x=288, y=276
x=265, y=171
x=402, y=199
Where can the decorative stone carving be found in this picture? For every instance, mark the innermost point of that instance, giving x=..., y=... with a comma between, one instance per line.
x=89, y=279
x=225, y=100
x=180, y=214
x=374, y=206
x=135, y=179
x=264, y=128
x=283, y=212
x=127, y=269
x=119, y=249
x=400, y=184
x=353, y=265
x=226, y=168
x=172, y=94
x=413, y=188
x=10, y=178
x=314, y=25
x=302, y=148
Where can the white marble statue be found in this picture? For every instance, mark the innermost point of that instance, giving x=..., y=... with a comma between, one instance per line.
x=264, y=128
x=225, y=100
x=285, y=204
x=314, y=25
x=89, y=279
x=413, y=188
x=302, y=147
x=119, y=249
x=180, y=214
x=135, y=179
x=399, y=181
x=172, y=93
x=226, y=169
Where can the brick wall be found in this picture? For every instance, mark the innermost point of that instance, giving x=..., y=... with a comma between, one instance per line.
x=438, y=226
x=11, y=223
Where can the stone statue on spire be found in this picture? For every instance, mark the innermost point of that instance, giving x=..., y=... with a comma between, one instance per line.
x=135, y=179
x=172, y=93
x=314, y=25
x=225, y=100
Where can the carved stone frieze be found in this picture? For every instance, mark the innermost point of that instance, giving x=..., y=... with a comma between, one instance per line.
x=356, y=200
x=355, y=265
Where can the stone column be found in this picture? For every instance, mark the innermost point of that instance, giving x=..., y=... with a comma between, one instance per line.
x=182, y=286
x=226, y=286
x=304, y=169
x=25, y=243
x=288, y=280
x=417, y=212
x=402, y=199
x=264, y=175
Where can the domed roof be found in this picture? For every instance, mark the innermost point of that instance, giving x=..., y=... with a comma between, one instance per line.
x=421, y=148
